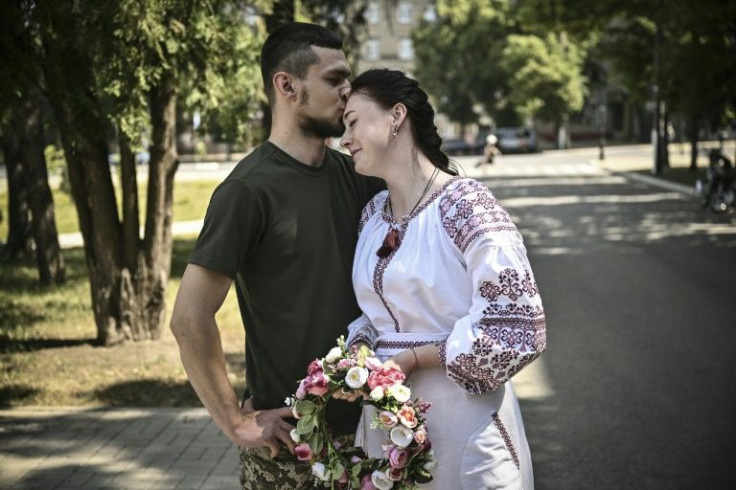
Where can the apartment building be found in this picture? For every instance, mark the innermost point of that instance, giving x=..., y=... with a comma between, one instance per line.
x=389, y=42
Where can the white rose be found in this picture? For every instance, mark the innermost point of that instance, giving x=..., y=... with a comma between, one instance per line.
x=294, y=435
x=381, y=481
x=378, y=393
x=401, y=436
x=320, y=471
x=334, y=355
x=400, y=392
x=356, y=377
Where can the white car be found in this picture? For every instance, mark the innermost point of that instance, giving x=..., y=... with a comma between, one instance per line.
x=516, y=140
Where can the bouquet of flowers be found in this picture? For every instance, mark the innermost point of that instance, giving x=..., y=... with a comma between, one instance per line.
x=408, y=456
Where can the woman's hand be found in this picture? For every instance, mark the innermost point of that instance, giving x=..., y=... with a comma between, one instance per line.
x=405, y=361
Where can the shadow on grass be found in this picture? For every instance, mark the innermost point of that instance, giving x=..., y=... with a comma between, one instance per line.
x=8, y=345
x=15, y=394
x=148, y=393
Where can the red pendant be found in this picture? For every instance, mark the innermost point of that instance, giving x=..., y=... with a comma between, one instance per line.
x=390, y=243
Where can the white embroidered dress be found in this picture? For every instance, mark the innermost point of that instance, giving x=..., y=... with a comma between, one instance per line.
x=460, y=277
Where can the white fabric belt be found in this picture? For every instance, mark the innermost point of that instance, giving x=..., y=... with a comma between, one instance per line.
x=389, y=344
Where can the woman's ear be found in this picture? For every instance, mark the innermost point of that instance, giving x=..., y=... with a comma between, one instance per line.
x=398, y=114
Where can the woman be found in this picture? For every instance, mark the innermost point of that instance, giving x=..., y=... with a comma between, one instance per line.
x=447, y=292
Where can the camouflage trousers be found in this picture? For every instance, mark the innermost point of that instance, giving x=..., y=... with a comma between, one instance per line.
x=284, y=472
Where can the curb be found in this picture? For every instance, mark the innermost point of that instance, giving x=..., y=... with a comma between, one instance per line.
x=650, y=180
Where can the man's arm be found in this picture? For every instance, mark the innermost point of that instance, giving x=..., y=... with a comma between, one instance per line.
x=201, y=294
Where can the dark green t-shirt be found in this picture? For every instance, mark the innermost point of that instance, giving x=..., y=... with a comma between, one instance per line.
x=286, y=233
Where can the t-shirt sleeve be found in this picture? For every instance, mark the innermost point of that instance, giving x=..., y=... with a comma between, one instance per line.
x=232, y=228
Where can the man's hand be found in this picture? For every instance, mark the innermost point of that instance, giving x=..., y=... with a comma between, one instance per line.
x=264, y=428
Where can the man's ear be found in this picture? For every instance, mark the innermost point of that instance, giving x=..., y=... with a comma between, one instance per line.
x=283, y=85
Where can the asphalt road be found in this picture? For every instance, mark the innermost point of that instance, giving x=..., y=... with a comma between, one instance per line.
x=639, y=287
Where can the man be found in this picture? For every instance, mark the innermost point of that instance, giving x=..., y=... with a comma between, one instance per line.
x=283, y=226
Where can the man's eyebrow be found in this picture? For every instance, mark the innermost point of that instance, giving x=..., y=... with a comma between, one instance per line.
x=345, y=72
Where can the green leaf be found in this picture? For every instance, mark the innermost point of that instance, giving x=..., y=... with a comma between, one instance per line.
x=306, y=425
x=316, y=442
x=305, y=407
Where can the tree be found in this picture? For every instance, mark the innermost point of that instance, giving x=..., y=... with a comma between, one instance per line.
x=130, y=60
x=684, y=49
x=545, y=76
x=458, y=57
x=30, y=204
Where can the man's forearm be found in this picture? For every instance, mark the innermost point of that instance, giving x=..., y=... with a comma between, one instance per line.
x=204, y=361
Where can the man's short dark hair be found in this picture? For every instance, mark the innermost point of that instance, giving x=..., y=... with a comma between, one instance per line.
x=289, y=48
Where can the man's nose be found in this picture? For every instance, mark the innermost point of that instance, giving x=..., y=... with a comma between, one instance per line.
x=345, y=91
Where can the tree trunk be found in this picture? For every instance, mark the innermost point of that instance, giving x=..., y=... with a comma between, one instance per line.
x=665, y=137
x=693, y=135
x=19, y=242
x=49, y=259
x=128, y=276
x=143, y=284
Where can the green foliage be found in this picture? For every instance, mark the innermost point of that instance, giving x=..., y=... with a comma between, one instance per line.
x=458, y=56
x=695, y=43
x=482, y=54
x=546, y=75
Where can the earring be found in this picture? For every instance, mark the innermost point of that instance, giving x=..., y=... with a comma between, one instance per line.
x=395, y=131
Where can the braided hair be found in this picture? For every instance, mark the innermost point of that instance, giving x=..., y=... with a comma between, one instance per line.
x=390, y=87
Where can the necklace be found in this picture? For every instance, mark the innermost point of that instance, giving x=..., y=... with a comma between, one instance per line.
x=392, y=240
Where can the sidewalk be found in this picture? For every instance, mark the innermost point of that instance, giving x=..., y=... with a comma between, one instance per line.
x=73, y=448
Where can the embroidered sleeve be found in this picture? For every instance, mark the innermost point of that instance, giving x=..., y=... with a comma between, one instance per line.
x=371, y=208
x=505, y=329
x=361, y=330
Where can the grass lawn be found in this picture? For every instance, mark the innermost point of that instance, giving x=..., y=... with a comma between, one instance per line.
x=190, y=203
x=48, y=357
x=47, y=351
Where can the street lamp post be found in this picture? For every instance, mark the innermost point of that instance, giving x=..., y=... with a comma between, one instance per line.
x=602, y=124
x=657, y=131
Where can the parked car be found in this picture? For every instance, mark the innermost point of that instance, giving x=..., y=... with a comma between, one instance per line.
x=457, y=146
x=516, y=140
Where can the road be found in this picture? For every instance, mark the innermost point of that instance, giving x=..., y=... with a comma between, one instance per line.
x=637, y=387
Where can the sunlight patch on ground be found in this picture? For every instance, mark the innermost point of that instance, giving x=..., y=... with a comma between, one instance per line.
x=521, y=202
x=532, y=383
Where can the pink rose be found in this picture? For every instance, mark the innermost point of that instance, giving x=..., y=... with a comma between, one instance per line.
x=301, y=391
x=303, y=452
x=373, y=363
x=423, y=406
x=398, y=457
x=420, y=436
x=314, y=366
x=345, y=364
x=317, y=384
x=343, y=478
x=385, y=378
x=388, y=419
x=407, y=416
x=396, y=474
x=366, y=483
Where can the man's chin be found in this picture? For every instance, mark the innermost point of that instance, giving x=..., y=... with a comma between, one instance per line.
x=323, y=129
